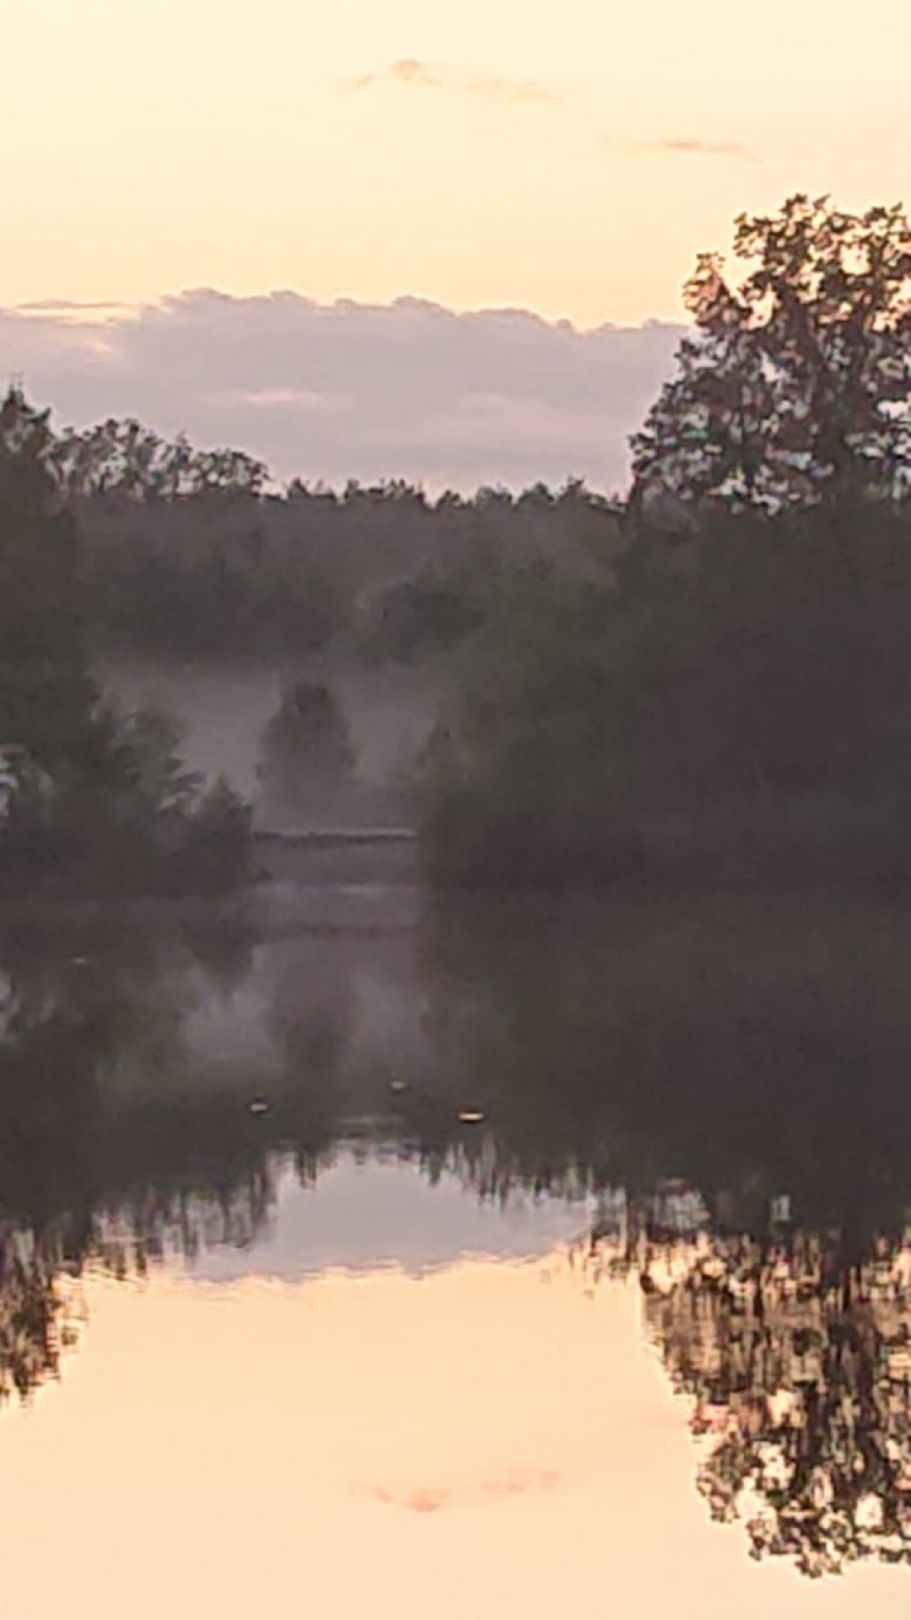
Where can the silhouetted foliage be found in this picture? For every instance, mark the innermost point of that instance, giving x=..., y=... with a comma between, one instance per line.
x=376, y=573
x=732, y=695
x=713, y=680
x=796, y=386
x=123, y=457
x=88, y=797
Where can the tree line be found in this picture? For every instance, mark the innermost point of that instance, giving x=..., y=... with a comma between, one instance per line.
x=198, y=553
x=733, y=694
x=713, y=673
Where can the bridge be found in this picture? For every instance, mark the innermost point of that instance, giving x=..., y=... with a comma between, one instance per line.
x=327, y=857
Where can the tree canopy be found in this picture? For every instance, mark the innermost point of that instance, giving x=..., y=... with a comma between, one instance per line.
x=86, y=794
x=795, y=387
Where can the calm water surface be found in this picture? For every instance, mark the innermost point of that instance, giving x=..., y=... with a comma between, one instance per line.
x=503, y=1263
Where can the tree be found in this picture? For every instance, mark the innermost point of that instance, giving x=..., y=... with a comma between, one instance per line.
x=307, y=754
x=46, y=692
x=123, y=457
x=85, y=793
x=795, y=388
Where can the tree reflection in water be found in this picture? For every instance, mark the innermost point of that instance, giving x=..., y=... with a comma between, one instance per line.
x=35, y=1323
x=593, y=1066
x=797, y=1359
x=116, y=1151
x=41, y=1309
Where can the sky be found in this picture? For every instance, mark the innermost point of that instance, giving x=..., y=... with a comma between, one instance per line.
x=564, y=160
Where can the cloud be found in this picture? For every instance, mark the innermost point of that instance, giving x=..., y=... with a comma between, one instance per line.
x=332, y=391
x=499, y=1487
x=687, y=146
x=408, y=70
x=411, y=72
x=45, y=306
x=512, y=90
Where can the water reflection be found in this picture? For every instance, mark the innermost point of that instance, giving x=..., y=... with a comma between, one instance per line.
x=799, y=1366
x=35, y=1326
x=796, y=1359
x=374, y=1444
x=171, y=1096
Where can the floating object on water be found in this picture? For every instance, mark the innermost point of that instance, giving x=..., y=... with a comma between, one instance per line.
x=258, y=1106
x=470, y=1116
x=398, y=1085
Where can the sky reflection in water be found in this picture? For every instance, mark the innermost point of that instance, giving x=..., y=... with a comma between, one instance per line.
x=303, y=1426
x=362, y=1357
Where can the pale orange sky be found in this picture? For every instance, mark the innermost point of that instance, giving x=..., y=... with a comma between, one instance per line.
x=521, y=159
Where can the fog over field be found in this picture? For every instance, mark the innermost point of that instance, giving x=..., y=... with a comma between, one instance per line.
x=224, y=708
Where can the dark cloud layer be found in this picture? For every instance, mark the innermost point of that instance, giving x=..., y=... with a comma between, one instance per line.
x=354, y=390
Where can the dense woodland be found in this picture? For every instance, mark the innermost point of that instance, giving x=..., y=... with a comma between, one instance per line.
x=733, y=695
x=711, y=676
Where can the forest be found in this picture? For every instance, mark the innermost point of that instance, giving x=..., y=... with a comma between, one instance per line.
x=706, y=679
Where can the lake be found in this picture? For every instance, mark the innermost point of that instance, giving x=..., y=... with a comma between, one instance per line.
x=366, y=1255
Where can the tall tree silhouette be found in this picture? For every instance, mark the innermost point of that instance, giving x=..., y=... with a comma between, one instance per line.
x=796, y=385
x=46, y=693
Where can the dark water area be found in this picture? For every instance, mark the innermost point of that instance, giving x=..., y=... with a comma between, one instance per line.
x=351, y=1246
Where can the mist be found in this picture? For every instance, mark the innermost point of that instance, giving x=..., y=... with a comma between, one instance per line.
x=224, y=708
